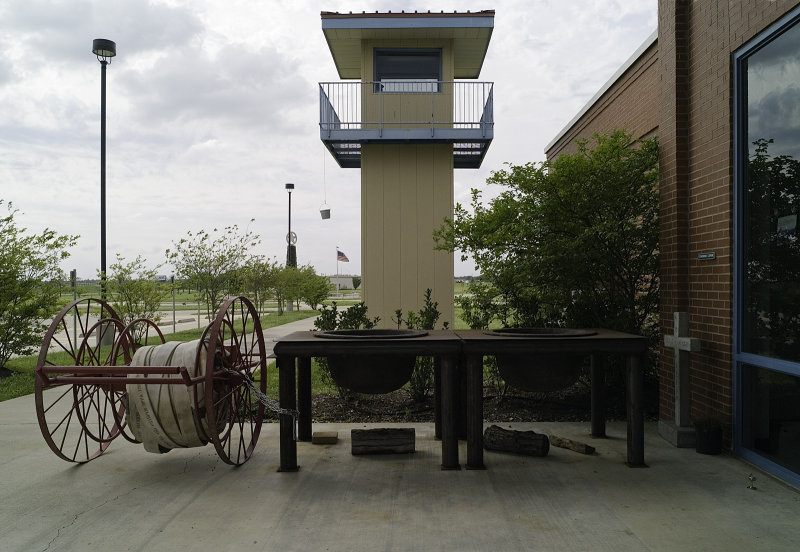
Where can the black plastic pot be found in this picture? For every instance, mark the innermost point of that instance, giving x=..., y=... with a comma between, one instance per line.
x=708, y=439
x=540, y=372
x=372, y=373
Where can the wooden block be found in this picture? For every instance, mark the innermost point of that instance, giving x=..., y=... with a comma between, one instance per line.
x=577, y=446
x=325, y=437
x=383, y=440
x=528, y=443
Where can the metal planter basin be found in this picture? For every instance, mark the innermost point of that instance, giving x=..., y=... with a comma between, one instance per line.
x=373, y=373
x=540, y=372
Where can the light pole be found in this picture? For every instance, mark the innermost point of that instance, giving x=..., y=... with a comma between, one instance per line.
x=291, y=240
x=291, y=237
x=104, y=50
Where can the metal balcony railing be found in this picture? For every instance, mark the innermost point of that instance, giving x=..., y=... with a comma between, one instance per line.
x=400, y=111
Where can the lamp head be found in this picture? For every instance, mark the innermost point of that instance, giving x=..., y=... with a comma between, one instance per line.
x=290, y=186
x=104, y=49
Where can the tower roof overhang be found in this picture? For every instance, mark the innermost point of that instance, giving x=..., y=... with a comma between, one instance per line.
x=470, y=32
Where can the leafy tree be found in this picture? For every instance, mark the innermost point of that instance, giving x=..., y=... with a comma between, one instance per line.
x=314, y=289
x=210, y=262
x=356, y=282
x=135, y=291
x=30, y=279
x=479, y=307
x=260, y=277
x=572, y=242
x=287, y=286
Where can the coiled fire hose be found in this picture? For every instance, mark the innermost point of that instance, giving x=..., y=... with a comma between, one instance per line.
x=162, y=417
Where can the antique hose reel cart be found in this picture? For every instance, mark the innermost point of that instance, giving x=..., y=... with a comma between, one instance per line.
x=97, y=379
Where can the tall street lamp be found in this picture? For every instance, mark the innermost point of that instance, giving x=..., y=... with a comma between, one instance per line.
x=104, y=50
x=291, y=237
x=291, y=240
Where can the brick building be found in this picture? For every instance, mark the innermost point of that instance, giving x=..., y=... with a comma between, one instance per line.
x=719, y=84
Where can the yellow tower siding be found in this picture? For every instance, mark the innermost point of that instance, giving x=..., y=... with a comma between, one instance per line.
x=406, y=108
x=406, y=192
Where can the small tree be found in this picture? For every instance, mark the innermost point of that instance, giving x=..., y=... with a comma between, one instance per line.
x=314, y=289
x=260, y=279
x=287, y=286
x=572, y=242
x=29, y=284
x=425, y=319
x=209, y=262
x=135, y=291
x=356, y=282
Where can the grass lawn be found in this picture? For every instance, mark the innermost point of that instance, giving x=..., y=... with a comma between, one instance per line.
x=21, y=381
x=22, y=368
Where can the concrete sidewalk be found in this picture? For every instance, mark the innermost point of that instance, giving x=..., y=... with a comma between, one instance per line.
x=188, y=499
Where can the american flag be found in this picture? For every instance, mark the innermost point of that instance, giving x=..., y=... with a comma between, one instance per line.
x=341, y=257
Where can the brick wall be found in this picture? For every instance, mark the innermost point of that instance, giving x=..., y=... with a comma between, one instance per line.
x=689, y=70
x=630, y=103
x=710, y=30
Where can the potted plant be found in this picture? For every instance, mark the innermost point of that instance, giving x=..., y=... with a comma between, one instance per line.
x=708, y=436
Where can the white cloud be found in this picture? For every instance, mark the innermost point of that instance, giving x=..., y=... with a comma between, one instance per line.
x=212, y=107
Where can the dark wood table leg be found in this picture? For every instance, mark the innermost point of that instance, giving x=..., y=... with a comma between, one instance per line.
x=634, y=378
x=598, y=396
x=461, y=400
x=474, y=412
x=304, y=398
x=288, y=400
x=449, y=438
x=437, y=398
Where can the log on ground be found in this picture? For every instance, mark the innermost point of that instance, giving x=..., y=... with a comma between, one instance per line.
x=528, y=443
x=383, y=440
x=577, y=446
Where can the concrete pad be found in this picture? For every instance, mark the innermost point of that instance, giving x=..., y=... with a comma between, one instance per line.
x=325, y=437
x=129, y=499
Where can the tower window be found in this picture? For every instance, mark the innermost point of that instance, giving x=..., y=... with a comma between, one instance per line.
x=408, y=70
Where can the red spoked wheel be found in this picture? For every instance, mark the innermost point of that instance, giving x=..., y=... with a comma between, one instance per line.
x=136, y=334
x=79, y=420
x=235, y=359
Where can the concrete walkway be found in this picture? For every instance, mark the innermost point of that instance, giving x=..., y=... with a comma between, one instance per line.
x=188, y=499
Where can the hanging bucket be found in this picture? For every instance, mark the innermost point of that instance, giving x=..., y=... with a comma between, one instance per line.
x=325, y=212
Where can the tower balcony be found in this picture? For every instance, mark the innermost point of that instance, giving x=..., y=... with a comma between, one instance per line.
x=404, y=112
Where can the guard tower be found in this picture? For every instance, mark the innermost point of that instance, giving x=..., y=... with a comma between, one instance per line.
x=406, y=123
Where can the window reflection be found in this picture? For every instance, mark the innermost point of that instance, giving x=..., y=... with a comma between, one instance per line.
x=771, y=286
x=772, y=427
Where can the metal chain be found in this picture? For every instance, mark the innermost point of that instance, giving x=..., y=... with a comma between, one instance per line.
x=270, y=403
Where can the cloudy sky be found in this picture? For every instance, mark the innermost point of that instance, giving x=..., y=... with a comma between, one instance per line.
x=213, y=107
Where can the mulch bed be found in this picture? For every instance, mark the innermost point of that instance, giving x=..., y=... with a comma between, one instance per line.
x=570, y=405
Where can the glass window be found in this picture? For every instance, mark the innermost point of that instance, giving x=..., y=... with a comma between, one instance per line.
x=772, y=426
x=767, y=273
x=409, y=70
x=770, y=264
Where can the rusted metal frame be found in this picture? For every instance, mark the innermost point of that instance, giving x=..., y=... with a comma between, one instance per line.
x=97, y=375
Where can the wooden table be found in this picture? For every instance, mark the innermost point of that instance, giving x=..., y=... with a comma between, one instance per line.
x=478, y=343
x=294, y=353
